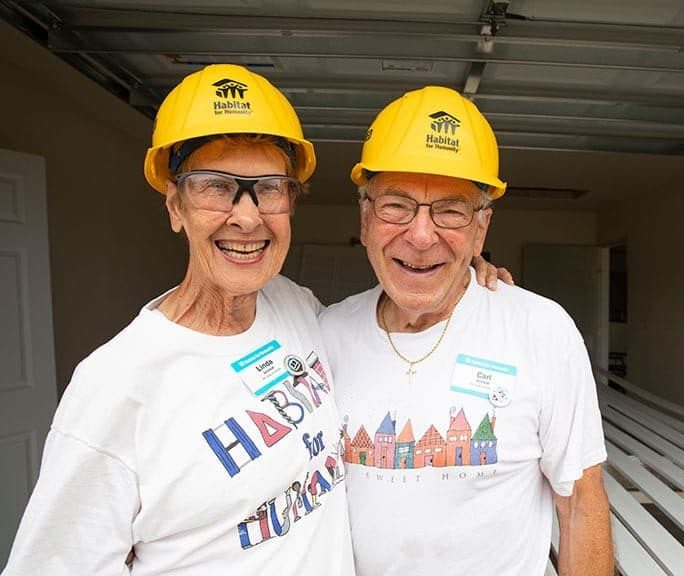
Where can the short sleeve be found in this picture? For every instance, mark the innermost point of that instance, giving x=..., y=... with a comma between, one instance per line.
x=570, y=428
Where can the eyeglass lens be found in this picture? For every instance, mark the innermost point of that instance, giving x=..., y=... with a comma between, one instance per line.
x=220, y=191
x=400, y=209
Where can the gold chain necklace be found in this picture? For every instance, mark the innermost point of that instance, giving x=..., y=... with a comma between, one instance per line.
x=411, y=370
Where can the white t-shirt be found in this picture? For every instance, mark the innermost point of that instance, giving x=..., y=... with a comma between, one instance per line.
x=450, y=471
x=158, y=443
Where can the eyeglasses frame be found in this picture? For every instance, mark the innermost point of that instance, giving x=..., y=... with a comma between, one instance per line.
x=245, y=184
x=372, y=200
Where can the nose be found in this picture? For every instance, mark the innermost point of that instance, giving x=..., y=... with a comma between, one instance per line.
x=245, y=214
x=421, y=231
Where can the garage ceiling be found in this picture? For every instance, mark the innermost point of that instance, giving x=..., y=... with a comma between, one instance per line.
x=601, y=75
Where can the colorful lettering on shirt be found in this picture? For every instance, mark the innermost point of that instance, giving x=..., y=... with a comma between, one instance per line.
x=313, y=444
x=293, y=399
x=276, y=517
x=222, y=450
x=271, y=431
x=291, y=411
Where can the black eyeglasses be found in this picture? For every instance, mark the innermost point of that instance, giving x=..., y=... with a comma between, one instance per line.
x=399, y=209
x=219, y=191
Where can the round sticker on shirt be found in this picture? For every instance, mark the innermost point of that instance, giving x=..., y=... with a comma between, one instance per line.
x=295, y=365
x=499, y=396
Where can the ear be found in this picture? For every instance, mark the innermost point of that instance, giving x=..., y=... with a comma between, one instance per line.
x=364, y=215
x=483, y=221
x=173, y=207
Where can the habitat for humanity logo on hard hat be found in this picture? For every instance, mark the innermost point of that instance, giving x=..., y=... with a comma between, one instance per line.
x=443, y=128
x=232, y=94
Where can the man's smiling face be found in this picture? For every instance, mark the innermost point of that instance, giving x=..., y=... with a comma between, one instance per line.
x=423, y=268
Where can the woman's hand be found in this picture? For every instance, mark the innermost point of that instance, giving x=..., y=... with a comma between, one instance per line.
x=487, y=274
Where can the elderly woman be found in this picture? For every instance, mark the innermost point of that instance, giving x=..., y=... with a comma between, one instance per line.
x=204, y=436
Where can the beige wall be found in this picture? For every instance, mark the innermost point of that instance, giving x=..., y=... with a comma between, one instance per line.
x=509, y=232
x=321, y=224
x=651, y=225
x=110, y=247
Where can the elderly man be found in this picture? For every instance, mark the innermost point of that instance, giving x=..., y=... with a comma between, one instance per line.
x=469, y=413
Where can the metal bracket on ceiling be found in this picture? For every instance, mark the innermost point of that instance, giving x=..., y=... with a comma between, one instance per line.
x=473, y=78
x=493, y=20
x=494, y=17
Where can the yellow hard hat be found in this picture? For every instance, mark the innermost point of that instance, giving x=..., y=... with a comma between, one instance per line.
x=224, y=99
x=432, y=131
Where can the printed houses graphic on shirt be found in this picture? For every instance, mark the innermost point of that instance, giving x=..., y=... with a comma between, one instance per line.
x=384, y=443
x=430, y=449
x=458, y=440
x=461, y=447
x=346, y=439
x=483, y=444
x=405, y=447
x=361, y=449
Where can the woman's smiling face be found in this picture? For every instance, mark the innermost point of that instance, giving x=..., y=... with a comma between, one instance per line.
x=235, y=252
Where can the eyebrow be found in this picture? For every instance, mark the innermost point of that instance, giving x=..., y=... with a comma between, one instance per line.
x=395, y=191
x=404, y=194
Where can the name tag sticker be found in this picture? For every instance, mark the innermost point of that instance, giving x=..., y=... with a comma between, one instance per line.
x=487, y=379
x=263, y=368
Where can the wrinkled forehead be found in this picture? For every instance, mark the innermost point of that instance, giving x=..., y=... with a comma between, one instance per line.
x=218, y=153
x=423, y=185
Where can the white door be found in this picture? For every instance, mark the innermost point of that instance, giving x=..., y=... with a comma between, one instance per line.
x=27, y=366
x=577, y=277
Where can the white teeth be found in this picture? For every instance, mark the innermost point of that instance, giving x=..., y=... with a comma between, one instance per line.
x=416, y=267
x=244, y=250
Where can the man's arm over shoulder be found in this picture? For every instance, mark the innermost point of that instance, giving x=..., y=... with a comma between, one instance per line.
x=584, y=519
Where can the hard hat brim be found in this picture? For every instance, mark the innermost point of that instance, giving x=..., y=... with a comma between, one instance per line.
x=497, y=188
